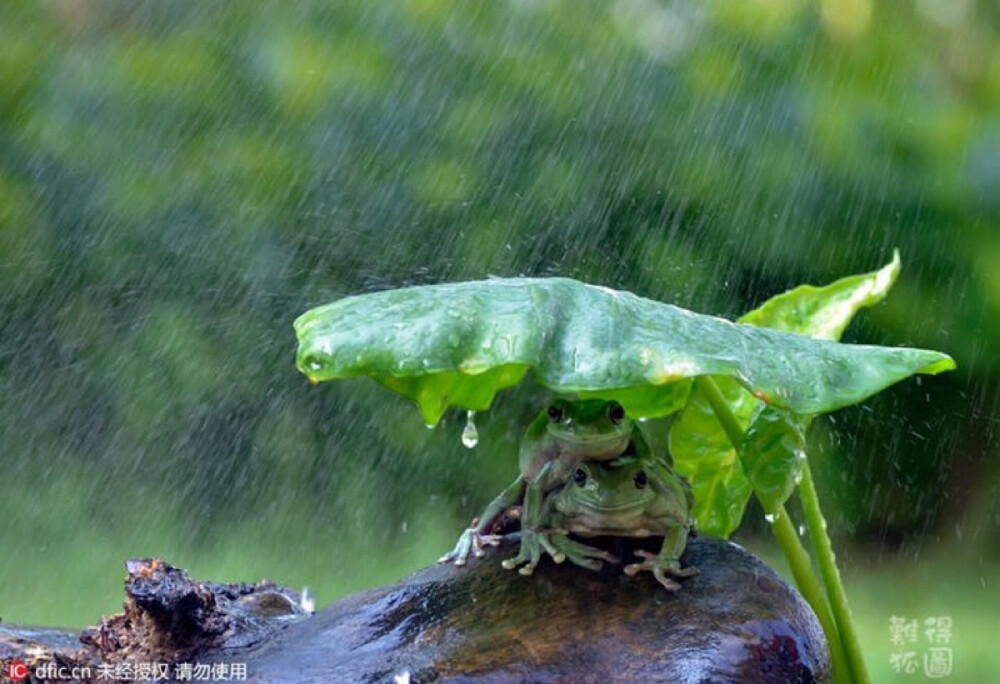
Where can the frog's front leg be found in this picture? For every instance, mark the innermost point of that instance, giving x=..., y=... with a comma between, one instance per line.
x=667, y=562
x=534, y=540
x=576, y=552
x=580, y=554
x=478, y=535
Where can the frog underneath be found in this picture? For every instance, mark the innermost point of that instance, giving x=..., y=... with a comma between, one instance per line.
x=629, y=496
x=558, y=439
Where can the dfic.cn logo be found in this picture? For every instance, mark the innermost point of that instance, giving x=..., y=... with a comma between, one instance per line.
x=17, y=670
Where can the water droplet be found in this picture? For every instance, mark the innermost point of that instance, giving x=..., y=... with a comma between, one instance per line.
x=405, y=526
x=307, y=600
x=771, y=517
x=430, y=426
x=802, y=530
x=470, y=435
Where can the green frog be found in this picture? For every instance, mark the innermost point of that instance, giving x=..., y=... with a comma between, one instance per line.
x=630, y=496
x=562, y=436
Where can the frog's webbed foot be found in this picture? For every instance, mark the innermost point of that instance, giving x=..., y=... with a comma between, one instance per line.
x=533, y=543
x=471, y=541
x=581, y=554
x=661, y=567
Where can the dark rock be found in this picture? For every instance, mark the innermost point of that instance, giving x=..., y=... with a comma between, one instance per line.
x=735, y=621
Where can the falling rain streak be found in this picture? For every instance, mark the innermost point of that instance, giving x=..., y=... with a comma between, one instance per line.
x=180, y=180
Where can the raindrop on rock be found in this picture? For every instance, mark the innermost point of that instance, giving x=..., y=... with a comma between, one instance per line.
x=307, y=600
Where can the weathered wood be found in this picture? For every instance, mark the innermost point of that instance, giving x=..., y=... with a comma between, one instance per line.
x=168, y=618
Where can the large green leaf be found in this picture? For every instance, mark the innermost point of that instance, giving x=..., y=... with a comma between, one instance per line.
x=700, y=447
x=458, y=344
x=824, y=312
x=773, y=454
x=703, y=453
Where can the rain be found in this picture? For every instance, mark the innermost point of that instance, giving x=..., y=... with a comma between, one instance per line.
x=180, y=181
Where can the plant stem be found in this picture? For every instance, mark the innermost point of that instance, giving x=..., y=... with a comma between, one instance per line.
x=805, y=578
x=831, y=576
x=781, y=525
x=720, y=406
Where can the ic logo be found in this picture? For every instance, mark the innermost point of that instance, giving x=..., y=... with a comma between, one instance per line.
x=17, y=670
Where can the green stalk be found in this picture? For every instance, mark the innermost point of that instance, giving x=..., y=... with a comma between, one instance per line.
x=799, y=562
x=781, y=525
x=831, y=576
x=720, y=406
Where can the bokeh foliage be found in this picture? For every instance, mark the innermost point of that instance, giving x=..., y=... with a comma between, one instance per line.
x=178, y=181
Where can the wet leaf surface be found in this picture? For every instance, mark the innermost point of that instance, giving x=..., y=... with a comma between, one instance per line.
x=458, y=344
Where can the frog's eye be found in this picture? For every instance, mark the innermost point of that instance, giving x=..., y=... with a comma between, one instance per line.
x=616, y=413
x=641, y=480
x=555, y=413
x=580, y=477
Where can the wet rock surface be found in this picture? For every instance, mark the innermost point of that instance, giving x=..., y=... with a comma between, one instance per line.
x=736, y=621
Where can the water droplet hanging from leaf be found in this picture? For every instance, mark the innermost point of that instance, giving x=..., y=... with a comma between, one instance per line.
x=470, y=435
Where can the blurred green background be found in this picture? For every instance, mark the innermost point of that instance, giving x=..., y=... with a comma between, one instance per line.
x=179, y=180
